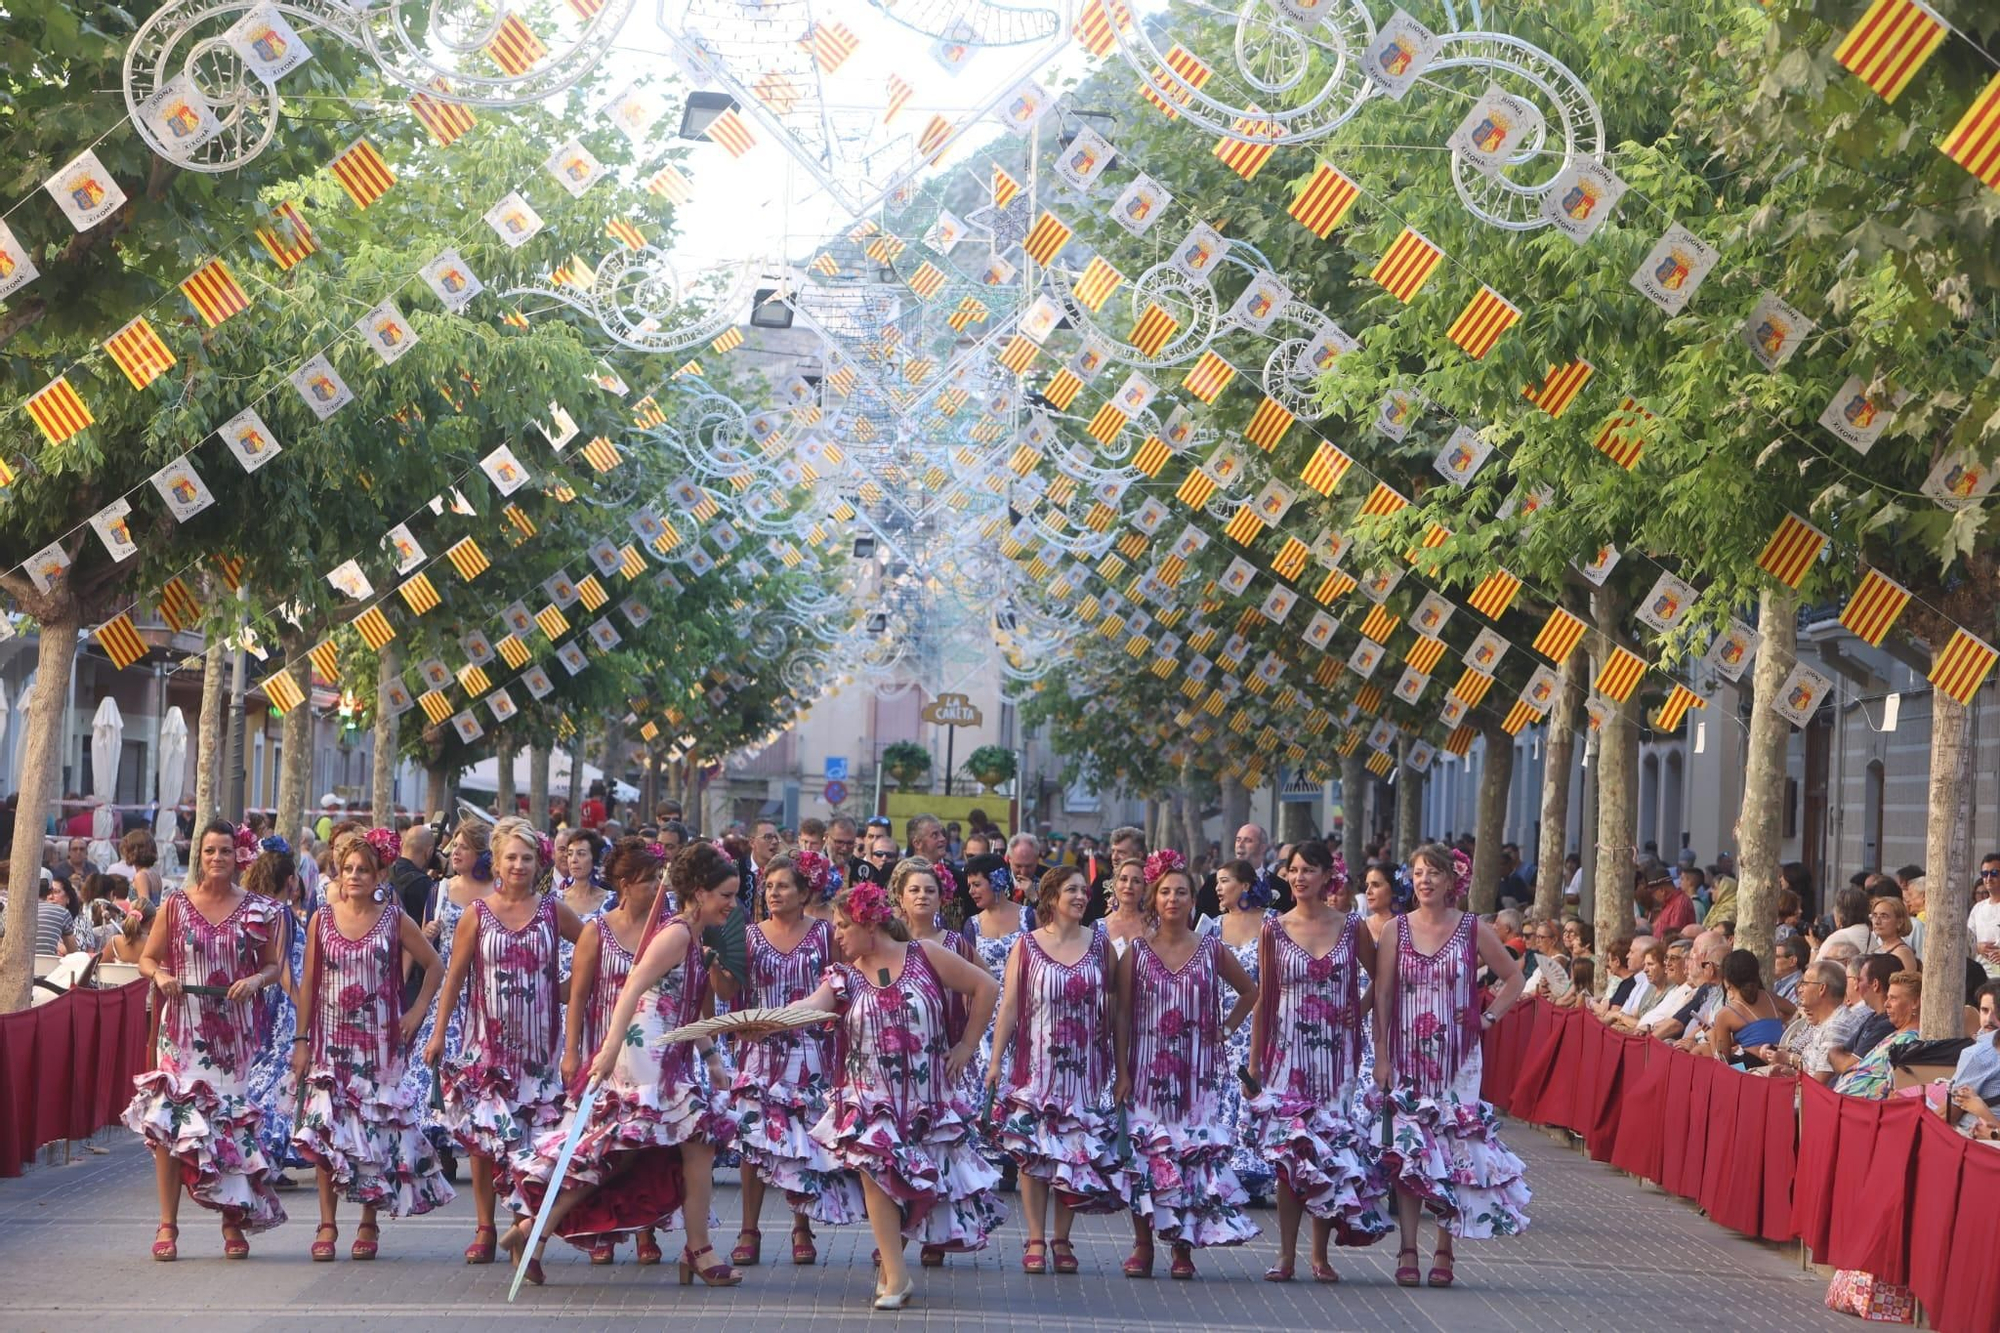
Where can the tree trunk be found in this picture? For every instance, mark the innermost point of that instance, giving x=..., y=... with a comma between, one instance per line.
x=296, y=735
x=382, y=772
x=1192, y=843
x=649, y=790
x=575, y=793
x=209, y=735
x=437, y=787
x=1947, y=867
x=1558, y=756
x=1354, y=820
x=41, y=740
x=1149, y=822
x=538, y=785
x=1617, y=791
x=235, y=749
x=1235, y=809
x=1409, y=802
x=1295, y=821
x=1496, y=781
x=1757, y=882
x=504, y=750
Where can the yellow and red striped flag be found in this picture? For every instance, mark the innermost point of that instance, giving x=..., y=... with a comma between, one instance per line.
x=900, y=93
x=1246, y=527
x=1290, y=561
x=1621, y=674
x=1519, y=716
x=726, y=341
x=1196, y=490
x=618, y=229
x=1974, y=143
x=669, y=184
x=971, y=310
x=1209, y=377
x=513, y=652
x=1559, y=636
x=601, y=454
x=1873, y=609
x=1960, y=667
x=1380, y=624
x=1380, y=763
x=1369, y=698
x=178, y=607
x=58, y=410
x=1383, y=501
x=931, y=141
x=830, y=44
x=474, y=680
x=1005, y=187
x=1471, y=687
x=517, y=518
x=1063, y=388
x=514, y=319
x=139, y=353
x=445, y=119
x=375, y=629
x=1097, y=281
x=1678, y=701
x=1249, y=146
x=1494, y=594
x=586, y=9
x=1268, y=425
x=230, y=567
x=286, y=237
x=1559, y=387
x=325, y=659
x=591, y=593
x=1152, y=456
x=1325, y=468
x=214, y=292
x=1154, y=328
x=420, y=594
x=1045, y=238
x=514, y=46
x=1425, y=654
x=927, y=281
x=1480, y=324
x=1407, y=265
x=1459, y=742
x=1093, y=27
x=551, y=622
x=1182, y=73
x=1105, y=426
x=1889, y=45
x=776, y=91
x=282, y=689
x=826, y=265
x=1019, y=353
x=436, y=707
x=1622, y=438
x=362, y=173
x=468, y=559
x=1324, y=201
x=1791, y=550
x=729, y=130
x=884, y=248
x=120, y=640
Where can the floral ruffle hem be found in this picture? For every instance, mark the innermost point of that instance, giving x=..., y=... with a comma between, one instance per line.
x=1447, y=1151
x=1068, y=1147
x=936, y=1173
x=217, y=1142
x=1320, y=1153
x=1183, y=1185
x=371, y=1145
x=492, y=1117
x=774, y=1136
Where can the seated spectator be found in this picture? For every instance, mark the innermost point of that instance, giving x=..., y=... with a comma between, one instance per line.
x=1869, y=1076
x=1722, y=890
x=53, y=923
x=1507, y=925
x=1868, y=979
x=1544, y=955
x=1648, y=961
x=1749, y=1016
x=1689, y=1023
x=1916, y=895
x=1788, y=961
x=1618, y=963
x=1889, y=922
x=1583, y=979
x=1790, y=910
x=1821, y=1023
x=1850, y=918
x=1672, y=911
x=1695, y=887
x=1977, y=1078
x=130, y=941
x=1679, y=989
x=1579, y=938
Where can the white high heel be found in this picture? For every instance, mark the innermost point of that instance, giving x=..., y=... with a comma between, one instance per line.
x=896, y=1300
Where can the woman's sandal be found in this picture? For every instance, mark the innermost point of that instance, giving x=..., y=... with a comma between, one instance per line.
x=1140, y=1262
x=483, y=1241
x=1323, y=1273
x=1034, y=1257
x=167, y=1250
x=1281, y=1272
x=365, y=1247
x=1440, y=1275
x=1183, y=1265
x=234, y=1244
x=1062, y=1256
x=516, y=1242
x=1406, y=1273
x=803, y=1249
x=322, y=1250
x=930, y=1256
x=649, y=1248
x=715, y=1275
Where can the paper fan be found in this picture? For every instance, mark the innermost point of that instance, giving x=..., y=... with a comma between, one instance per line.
x=782, y=1017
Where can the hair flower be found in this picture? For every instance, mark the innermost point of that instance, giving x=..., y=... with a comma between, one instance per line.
x=1461, y=865
x=386, y=844
x=814, y=869
x=274, y=843
x=246, y=845
x=868, y=905
x=1162, y=862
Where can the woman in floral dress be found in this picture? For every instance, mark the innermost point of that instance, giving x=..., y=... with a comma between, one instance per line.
x=1305, y=1052
x=647, y=1153
x=356, y=1123
x=894, y=1118
x=1125, y=919
x=194, y=1109
x=471, y=879
x=505, y=1086
x=992, y=930
x=781, y=1080
x=1054, y=1112
x=274, y=875
x=605, y=953
x=1171, y=1071
x=1444, y=1154
x=1245, y=905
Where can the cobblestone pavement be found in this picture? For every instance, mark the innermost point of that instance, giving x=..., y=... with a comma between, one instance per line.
x=1603, y=1251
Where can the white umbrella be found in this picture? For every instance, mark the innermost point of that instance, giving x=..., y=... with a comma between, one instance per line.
x=3, y=714
x=107, y=741
x=173, y=776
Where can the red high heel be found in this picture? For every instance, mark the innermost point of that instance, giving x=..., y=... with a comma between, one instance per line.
x=715, y=1275
x=749, y=1249
x=1063, y=1257
x=649, y=1248
x=322, y=1250
x=1440, y=1275
x=533, y=1272
x=604, y=1250
x=234, y=1244
x=1183, y=1265
x=168, y=1250
x=1406, y=1273
x=483, y=1241
x=1034, y=1257
x=1139, y=1263
x=803, y=1250
x=364, y=1248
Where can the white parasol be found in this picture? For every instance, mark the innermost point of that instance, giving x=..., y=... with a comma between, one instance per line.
x=173, y=776
x=107, y=743
x=3, y=715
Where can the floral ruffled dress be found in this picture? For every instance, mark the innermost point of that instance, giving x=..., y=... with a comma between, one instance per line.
x=1251, y=1169
x=505, y=1085
x=271, y=1086
x=781, y=1080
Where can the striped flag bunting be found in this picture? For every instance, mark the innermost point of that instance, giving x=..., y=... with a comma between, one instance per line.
x=631, y=564
x=1104, y=427
x=591, y=593
x=1045, y=238
x=1290, y=561
x=1210, y=376
x=1961, y=666
x=436, y=707
x=1791, y=550
x=1063, y=388
x=468, y=559
x=1383, y=501
x=325, y=659
x=1152, y=456
x=830, y=44
x=776, y=91
x=646, y=413
x=1154, y=328
x=1622, y=437
x=1024, y=459
x=1480, y=324
x=474, y=680
x=1436, y=535
x=1093, y=27
x=726, y=341
x=670, y=185
x=1182, y=73
x=1559, y=387
x=1425, y=654
x=513, y=652
x=120, y=640
x=825, y=265
x=282, y=689
x=1369, y=699
x=729, y=131
x=214, y=292
x=1380, y=624
x=1620, y=675
x=1519, y=716
x=1471, y=687
x=1099, y=519
x=618, y=229
x=1974, y=143
x=1380, y=763
x=1889, y=45
x=931, y=141
x=419, y=594
x=514, y=319
x=1249, y=147
x=1679, y=700
x=1874, y=607
x=1494, y=594
x=1407, y=265
x=1558, y=636
x=927, y=281
x=230, y=568
x=601, y=454
x=514, y=46
x=900, y=93
x=445, y=119
x=1325, y=468
x=1098, y=280
x=1268, y=425
x=1351, y=740
x=517, y=518
x=139, y=353
x=1459, y=742
x=286, y=237
x=1005, y=187
x=971, y=310
x=1246, y=527
x=58, y=410
x=551, y=622
x=362, y=173
x=585, y=9
x=178, y=607
x=1324, y=201
x=1196, y=490
x=375, y=629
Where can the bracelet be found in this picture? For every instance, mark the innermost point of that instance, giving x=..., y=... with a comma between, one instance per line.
x=301, y=1041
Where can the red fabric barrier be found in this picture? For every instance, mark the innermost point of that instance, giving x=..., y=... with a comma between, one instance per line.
x=66, y=1068
x=1819, y=1137
x=1637, y=1149
x=1968, y=1295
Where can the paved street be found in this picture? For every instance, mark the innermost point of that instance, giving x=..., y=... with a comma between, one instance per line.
x=1603, y=1251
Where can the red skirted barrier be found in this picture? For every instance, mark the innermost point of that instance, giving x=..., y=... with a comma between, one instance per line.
x=66, y=1068
x=1883, y=1186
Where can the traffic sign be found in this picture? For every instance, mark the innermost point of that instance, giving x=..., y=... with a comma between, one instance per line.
x=836, y=790
x=836, y=768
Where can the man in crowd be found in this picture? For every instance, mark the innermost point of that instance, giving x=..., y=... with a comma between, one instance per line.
x=1850, y=918
x=1983, y=925
x=80, y=864
x=409, y=873
x=1024, y=862
x=1690, y=1025
x=812, y=835
x=765, y=843
x=1672, y=910
x=925, y=837
x=879, y=860
x=673, y=836
x=1626, y=960
x=1513, y=889
x=843, y=835
x=1868, y=979
x=1822, y=1004
x=54, y=927
x=1902, y=1000
x=1788, y=962
x=1127, y=842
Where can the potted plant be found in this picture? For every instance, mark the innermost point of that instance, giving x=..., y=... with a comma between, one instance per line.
x=906, y=762
x=991, y=765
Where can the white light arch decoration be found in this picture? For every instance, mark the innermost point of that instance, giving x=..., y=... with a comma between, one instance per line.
x=639, y=301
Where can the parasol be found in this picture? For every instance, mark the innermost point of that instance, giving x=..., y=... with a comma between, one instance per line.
x=579, y=1119
x=173, y=776
x=761, y=1021
x=107, y=742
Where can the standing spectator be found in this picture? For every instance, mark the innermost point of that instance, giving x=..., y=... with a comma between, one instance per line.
x=138, y=854
x=1513, y=889
x=1673, y=910
x=1024, y=859
x=1850, y=918
x=1889, y=924
x=329, y=815
x=80, y=864
x=1983, y=925
x=812, y=836
x=593, y=806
